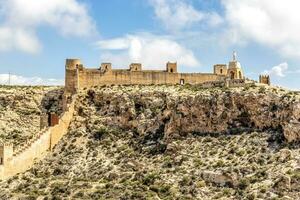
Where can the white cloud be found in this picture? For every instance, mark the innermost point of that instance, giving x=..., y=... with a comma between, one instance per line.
x=274, y=23
x=176, y=15
x=150, y=50
x=21, y=18
x=15, y=38
x=21, y=80
x=280, y=70
x=214, y=19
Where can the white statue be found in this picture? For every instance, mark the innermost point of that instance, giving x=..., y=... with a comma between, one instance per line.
x=234, y=56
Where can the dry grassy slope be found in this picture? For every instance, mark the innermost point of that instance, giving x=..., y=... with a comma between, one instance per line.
x=100, y=160
x=20, y=109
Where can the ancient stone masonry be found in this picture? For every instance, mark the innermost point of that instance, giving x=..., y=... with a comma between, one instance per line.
x=78, y=76
x=264, y=79
x=13, y=161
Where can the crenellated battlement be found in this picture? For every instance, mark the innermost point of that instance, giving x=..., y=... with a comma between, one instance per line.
x=265, y=79
x=79, y=76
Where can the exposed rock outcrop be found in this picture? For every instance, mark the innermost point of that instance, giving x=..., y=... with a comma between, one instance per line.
x=292, y=131
x=180, y=111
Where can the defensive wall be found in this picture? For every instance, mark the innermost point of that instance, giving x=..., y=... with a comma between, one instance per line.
x=78, y=76
x=20, y=160
x=89, y=78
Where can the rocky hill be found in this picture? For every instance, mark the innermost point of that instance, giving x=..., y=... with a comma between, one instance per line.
x=21, y=108
x=172, y=142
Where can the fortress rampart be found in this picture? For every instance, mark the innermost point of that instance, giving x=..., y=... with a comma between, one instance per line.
x=78, y=76
x=89, y=78
x=20, y=160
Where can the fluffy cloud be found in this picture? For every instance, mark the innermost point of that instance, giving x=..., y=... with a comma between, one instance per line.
x=151, y=50
x=21, y=80
x=179, y=14
x=280, y=70
x=274, y=23
x=21, y=18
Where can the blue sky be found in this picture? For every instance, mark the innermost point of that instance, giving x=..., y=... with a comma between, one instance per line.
x=37, y=36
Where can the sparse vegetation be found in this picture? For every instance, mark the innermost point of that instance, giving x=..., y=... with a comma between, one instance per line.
x=119, y=147
x=21, y=108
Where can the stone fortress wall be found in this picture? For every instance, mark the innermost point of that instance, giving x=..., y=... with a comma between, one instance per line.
x=13, y=161
x=78, y=76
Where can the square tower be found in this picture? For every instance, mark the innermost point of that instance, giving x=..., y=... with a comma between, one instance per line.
x=135, y=67
x=220, y=69
x=264, y=79
x=172, y=67
x=106, y=67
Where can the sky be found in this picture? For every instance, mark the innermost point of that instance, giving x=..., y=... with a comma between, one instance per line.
x=37, y=36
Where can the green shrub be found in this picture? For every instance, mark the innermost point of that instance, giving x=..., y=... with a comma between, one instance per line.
x=149, y=179
x=244, y=183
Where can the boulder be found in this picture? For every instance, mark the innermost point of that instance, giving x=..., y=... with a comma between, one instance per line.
x=284, y=155
x=219, y=178
x=291, y=131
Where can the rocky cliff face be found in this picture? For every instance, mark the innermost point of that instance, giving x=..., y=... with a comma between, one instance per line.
x=181, y=111
x=172, y=142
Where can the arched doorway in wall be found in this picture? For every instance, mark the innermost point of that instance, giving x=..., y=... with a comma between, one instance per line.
x=231, y=75
x=171, y=70
x=240, y=75
x=182, y=82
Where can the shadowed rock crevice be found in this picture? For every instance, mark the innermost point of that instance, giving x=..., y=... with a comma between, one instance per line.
x=52, y=101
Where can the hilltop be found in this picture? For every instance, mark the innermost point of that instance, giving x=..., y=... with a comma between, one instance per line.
x=170, y=142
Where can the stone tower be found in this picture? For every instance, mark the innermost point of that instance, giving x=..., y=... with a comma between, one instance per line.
x=265, y=79
x=72, y=79
x=172, y=67
x=235, y=69
x=220, y=69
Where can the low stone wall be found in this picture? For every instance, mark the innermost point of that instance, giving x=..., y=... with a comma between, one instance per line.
x=24, y=158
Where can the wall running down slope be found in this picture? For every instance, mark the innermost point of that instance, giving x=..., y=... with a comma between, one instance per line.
x=22, y=159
